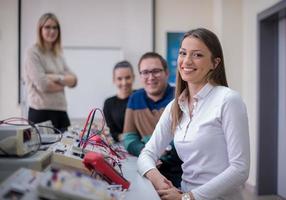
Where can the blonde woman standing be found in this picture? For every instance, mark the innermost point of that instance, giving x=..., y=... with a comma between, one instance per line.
x=47, y=75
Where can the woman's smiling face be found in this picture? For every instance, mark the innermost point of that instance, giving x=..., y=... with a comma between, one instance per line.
x=194, y=61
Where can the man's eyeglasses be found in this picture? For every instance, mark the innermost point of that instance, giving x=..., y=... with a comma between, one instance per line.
x=154, y=72
x=55, y=28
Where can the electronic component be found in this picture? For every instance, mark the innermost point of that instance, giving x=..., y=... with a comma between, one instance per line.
x=63, y=184
x=18, y=140
x=20, y=184
x=49, y=134
x=95, y=161
x=45, y=127
x=38, y=161
x=67, y=161
x=62, y=156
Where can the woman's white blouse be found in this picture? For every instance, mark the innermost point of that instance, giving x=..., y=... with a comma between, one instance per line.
x=212, y=142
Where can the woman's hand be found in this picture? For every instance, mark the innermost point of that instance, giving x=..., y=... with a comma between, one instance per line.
x=120, y=137
x=53, y=77
x=65, y=80
x=170, y=194
x=159, y=181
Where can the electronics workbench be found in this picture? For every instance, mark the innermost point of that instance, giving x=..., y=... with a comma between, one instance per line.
x=24, y=182
x=75, y=168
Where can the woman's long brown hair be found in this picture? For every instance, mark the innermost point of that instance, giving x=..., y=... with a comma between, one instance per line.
x=216, y=76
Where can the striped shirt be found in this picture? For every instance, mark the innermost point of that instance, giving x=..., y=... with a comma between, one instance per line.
x=142, y=113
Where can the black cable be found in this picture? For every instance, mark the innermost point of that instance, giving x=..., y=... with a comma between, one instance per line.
x=3, y=151
x=99, y=133
x=56, y=131
x=88, y=132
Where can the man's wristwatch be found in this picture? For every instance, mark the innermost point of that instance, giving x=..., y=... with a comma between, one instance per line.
x=187, y=196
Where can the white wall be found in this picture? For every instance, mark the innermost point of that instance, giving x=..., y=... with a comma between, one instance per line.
x=9, y=59
x=122, y=24
x=250, y=72
x=231, y=37
x=216, y=15
x=180, y=16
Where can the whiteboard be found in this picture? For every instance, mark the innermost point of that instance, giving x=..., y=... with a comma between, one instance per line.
x=93, y=68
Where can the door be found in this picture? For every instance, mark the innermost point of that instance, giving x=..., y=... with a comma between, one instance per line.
x=281, y=171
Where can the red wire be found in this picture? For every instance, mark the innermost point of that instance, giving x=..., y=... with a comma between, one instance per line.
x=85, y=125
x=94, y=111
x=13, y=119
x=103, y=144
x=10, y=120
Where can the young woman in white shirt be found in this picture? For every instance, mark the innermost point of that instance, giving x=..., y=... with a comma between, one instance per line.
x=209, y=124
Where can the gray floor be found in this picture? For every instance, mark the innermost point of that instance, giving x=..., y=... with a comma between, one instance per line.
x=251, y=196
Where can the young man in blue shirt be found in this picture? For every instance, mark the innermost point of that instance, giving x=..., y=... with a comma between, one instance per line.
x=144, y=109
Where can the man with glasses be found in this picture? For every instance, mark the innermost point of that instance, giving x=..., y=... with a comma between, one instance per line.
x=144, y=109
